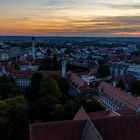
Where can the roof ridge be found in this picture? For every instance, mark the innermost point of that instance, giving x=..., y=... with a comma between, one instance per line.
x=90, y=132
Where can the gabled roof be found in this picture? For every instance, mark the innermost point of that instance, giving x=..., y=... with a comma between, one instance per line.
x=28, y=74
x=76, y=79
x=22, y=74
x=90, y=132
x=81, y=115
x=3, y=63
x=63, y=130
x=80, y=83
x=120, y=96
x=126, y=112
x=119, y=128
x=103, y=114
x=125, y=127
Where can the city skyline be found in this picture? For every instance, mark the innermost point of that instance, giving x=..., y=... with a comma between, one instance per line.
x=70, y=17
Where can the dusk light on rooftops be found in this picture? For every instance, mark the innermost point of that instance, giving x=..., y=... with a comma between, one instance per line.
x=70, y=17
x=69, y=69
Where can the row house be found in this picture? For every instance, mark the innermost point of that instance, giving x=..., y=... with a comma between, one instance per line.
x=134, y=70
x=34, y=65
x=22, y=78
x=24, y=66
x=77, y=84
x=114, y=99
x=101, y=125
x=118, y=68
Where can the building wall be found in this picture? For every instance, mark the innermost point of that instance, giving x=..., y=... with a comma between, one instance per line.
x=24, y=67
x=134, y=70
x=22, y=82
x=118, y=68
x=110, y=103
x=34, y=67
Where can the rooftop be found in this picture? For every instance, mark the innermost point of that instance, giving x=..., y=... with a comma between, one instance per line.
x=120, y=96
x=83, y=127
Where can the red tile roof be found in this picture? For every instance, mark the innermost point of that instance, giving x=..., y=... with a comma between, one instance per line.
x=126, y=112
x=109, y=128
x=22, y=74
x=81, y=115
x=4, y=62
x=23, y=63
x=28, y=74
x=64, y=130
x=102, y=114
x=120, y=96
x=8, y=68
x=76, y=80
x=119, y=128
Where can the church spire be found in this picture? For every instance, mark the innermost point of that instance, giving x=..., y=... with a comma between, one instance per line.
x=33, y=47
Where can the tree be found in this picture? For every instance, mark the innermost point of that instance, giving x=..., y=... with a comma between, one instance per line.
x=135, y=87
x=91, y=105
x=16, y=65
x=42, y=108
x=49, y=86
x=56, y=64
x=8, y=88
x=47, y=63
x=75, y=68
x=88, y=100
x=36, y=80
x=88, y=94
x=104, y=70
x=5, y=125
x=121, y=84
x=19, y=122
x=59, y=112
x=50, y=63
x=32, y=92
x=64, y=86
x=136, y=53
x=71, y=108
x=95, y=85
x=14, y=121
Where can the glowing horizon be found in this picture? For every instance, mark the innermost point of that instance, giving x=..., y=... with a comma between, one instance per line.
x=70, y=17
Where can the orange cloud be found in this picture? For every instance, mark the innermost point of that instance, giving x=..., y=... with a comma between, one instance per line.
x=82, y=26
x=127, y=33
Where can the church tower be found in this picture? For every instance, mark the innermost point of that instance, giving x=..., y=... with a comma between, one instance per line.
x=33, y=47
x=64, y=63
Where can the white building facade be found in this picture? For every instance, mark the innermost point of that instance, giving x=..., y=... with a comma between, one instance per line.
x=22, y=82
x=134, y=70
x=22, y=79
x=113, y=98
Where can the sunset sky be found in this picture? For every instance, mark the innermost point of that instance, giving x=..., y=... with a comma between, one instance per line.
x=70, y=17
